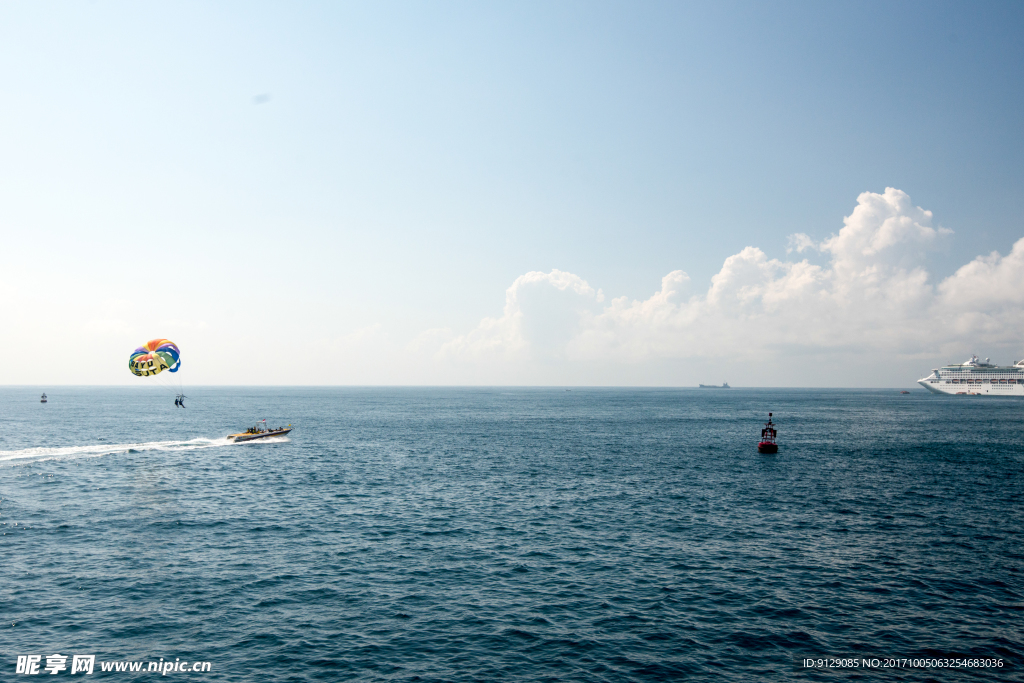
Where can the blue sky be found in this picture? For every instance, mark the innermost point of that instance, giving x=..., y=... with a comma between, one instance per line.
x=349, y=191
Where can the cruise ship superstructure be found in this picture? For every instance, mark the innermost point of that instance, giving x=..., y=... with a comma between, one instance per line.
x=977, y=378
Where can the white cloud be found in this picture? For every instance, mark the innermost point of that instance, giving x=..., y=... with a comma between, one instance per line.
x=991, y=283
x=543, y=312
x=874, y=299
x=799, y=242
x=884, y=230
x=985, y=298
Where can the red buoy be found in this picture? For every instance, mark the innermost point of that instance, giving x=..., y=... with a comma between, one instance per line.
x=767, y=444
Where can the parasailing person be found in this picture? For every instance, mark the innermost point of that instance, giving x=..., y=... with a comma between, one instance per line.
x=154, y=357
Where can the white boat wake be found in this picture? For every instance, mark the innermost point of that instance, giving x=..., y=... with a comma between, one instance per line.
x=95, y=450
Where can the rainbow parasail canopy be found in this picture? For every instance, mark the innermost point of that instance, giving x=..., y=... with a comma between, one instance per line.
x=154, y=357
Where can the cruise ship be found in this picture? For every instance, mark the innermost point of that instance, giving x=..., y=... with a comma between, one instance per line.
x=977, y=378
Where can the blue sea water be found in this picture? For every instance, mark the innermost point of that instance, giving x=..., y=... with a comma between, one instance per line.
x=415, y=534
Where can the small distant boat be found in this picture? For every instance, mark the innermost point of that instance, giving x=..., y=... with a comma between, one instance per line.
x=725, y=385
x=259, y=432
x=904, y=392
x=43, y=399
x=767, y=444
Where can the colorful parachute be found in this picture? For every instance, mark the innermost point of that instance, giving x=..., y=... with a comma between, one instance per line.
x=154, y=357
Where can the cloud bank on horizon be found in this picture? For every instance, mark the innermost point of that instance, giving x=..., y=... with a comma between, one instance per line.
x=872, y=298
x=855, y=308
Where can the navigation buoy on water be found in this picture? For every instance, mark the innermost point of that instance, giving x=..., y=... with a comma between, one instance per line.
x=767, y=444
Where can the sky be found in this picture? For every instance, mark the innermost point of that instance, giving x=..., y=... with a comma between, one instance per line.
x=550, y=193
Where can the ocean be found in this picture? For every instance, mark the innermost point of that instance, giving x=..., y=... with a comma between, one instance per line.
x=512, y=534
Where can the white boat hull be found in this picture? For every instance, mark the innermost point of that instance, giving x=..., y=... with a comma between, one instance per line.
x=939, y=386
x=239, y=438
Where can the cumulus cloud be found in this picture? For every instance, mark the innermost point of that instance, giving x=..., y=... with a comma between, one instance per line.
x=988, y=283
x=799, y=242
x=873, y=296
x=884, y=231
x=985, y=298
x=543, y=312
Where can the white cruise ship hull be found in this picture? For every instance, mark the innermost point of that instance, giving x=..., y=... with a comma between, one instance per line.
x=941, y=387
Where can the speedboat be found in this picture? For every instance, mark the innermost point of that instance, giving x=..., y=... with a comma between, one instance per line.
x=259, y=433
